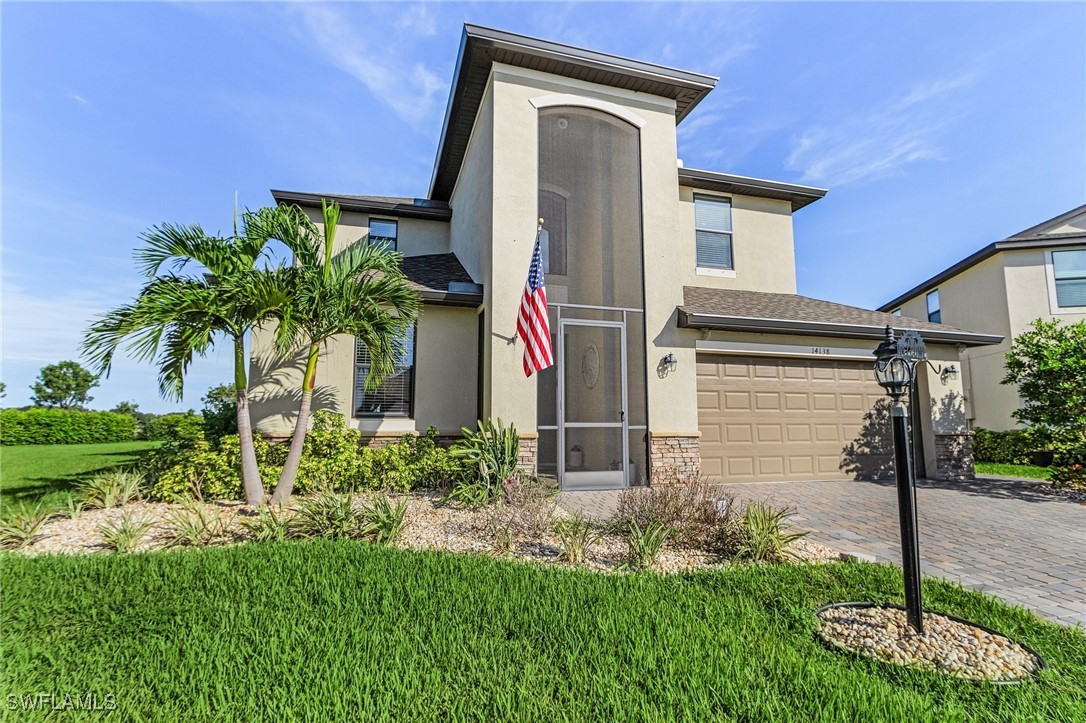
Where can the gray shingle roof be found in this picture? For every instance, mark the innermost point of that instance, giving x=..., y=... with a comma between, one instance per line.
x=793, y=314
x=385, y=205
x=442, y=278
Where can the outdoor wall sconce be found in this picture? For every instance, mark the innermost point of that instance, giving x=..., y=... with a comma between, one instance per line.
x=669, y=362
x=895, y=371
x=949, y=372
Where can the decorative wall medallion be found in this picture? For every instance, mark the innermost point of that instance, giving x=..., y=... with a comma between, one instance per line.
x=590, y=366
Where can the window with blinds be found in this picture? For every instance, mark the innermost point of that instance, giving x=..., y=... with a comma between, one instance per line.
x=383, y=233
x=395, y=396
x=1069, y=269
x=713, y=232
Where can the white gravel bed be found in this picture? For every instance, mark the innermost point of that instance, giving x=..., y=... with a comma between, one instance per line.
x=954, y=648
x=429, y=525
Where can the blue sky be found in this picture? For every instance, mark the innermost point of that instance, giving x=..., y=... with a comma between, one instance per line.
x=938, y=128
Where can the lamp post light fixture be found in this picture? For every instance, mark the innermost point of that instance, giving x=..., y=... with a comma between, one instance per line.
x=895, y=370
x=670, y=362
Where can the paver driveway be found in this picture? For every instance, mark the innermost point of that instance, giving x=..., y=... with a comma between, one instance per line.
x=1005, y=537
x=1009, y=538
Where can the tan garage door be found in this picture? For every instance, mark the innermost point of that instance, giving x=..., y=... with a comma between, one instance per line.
x=770, y=418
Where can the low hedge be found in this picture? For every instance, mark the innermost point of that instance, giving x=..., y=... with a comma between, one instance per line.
x=64, y=426
x=176, y=425
x=1011, y=447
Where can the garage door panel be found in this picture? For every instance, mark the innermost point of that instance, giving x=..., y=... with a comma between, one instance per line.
x=781, y=418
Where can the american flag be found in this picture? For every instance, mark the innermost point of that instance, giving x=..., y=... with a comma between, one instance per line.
x=533, y=327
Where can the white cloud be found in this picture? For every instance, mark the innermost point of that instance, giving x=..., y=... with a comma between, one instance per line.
x=78, y=99
x=411, y=90
x=902, y=130
x=419, y=19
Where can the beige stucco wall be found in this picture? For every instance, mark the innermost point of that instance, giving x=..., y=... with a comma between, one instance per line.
x=414, y=236
x=445, y=378
x=1001, y=295
x=763, y=250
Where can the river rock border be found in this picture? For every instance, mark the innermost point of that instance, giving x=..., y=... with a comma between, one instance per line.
x=949, y=645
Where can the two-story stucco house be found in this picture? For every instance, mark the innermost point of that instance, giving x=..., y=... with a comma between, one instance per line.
x=680, y=342
x=1039, y=273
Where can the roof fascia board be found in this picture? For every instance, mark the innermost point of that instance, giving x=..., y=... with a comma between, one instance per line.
x=799, y=196
x=975, y=258
x=451, y=298
x=313, y=200
x=1055, y=221
x=689, y=320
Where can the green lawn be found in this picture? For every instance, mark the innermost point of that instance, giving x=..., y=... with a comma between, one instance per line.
x=49, y=471
x=1013, y=470
x=345, y=631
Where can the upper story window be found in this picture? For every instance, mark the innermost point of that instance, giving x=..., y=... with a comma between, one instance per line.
x=713, y=232
x=896, y=312
x=383, y=232
x=1069, y=274
x=552, y=239
x=935, y=314
x=395, y=396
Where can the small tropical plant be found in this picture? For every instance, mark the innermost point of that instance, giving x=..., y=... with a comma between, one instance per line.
x=272, y=524
x=73, y=508
x=327, y=514
x=492, y=452
x=360, y=291
x=761, y=536
x=111, y=489
x=124, y=534
x=21, y=527
x=192, y=524
x=384, y=521
x=577, y=535
x=644, y=544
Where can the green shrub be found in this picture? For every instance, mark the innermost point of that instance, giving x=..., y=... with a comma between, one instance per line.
x=490, y=454
x=111, y=489
x=174, y=426
x=1011, y=447
x=384, y=521
x=644, y=544
x=272, y=524
x=1069, y=476
x=194, y=525
x=20, y=527
x=328, y=514
x=760, y=535
x=578, y=535
x=65, y=426
x=124, y=535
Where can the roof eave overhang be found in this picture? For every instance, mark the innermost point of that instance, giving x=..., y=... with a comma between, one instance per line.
x=348, y=203
x=798, y=196
x=695, y=320
x=1010, y=244
x=472, y=61
x=451, y=298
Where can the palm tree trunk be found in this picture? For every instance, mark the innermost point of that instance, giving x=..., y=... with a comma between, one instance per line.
x=294, y=457
x=250, y=472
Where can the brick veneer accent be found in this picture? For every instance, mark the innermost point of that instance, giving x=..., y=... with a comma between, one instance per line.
x=674, y=457
x=954, y=457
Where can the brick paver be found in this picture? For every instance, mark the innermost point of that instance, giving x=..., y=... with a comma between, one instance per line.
x=1009, y=538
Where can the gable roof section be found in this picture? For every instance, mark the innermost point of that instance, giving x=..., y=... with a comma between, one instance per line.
x=481, y=47
x=442, y=279
x=1038, y=236
x=762, y=312
x=798, y=196
x=384, y=205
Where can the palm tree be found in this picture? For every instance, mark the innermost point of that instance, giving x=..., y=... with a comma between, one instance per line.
x=360, y=291
x=178, y=317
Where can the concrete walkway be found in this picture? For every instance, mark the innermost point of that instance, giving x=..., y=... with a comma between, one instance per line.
x=1009, y=538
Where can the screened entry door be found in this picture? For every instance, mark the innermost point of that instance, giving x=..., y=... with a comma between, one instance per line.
x=592, y=428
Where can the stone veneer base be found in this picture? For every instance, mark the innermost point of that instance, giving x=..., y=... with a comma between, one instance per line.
x=954, y=457
x=674, y=457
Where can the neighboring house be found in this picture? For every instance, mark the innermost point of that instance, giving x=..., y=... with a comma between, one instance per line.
x=681, y=343
x=1039, y=273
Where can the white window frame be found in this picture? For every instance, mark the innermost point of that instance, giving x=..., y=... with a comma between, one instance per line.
x=1050, y=273
x=713, y=270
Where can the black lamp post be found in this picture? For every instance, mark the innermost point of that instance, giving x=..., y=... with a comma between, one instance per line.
x=895, y=370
